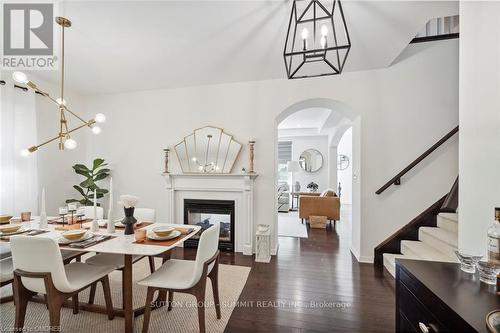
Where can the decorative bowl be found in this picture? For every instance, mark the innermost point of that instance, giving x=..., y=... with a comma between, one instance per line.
x=5, y=218
x=468, y=260
x=74, y=234
x=9, y=228
x=488, y=272
x=163, y=231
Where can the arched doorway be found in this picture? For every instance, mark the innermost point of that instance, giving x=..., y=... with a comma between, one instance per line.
x=319, y=124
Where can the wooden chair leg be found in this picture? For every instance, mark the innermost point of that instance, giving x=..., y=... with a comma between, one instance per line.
x=170, y=300
x=46, y=301
x=151, y=264
x=200, y=299
x=55, y=305
x=107, y=297
x=21, y=298
x=93, y=288
x=147, y=310
x=214, y=278
x=76, y=308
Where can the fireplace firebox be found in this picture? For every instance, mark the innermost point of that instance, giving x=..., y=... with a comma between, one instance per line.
x=205, y=213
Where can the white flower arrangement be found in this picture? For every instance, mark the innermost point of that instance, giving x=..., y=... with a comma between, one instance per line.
x=128, y=201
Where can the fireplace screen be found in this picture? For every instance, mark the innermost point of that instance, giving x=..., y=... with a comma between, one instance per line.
x=205, y=213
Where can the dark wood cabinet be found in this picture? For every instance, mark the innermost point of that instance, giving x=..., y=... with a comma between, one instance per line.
x=438, y=297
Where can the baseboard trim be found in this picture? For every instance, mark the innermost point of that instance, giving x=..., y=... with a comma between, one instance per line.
x=361, y=259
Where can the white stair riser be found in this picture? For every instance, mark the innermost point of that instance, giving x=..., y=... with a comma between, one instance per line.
x=407, y=251
x=438, y=244
x=390, y=265
x=447, y=224
x=449, y=216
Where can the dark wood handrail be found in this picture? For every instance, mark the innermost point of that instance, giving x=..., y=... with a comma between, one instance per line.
x=396, y=180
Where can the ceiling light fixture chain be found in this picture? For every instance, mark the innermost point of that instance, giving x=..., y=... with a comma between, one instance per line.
x=323, y=53
x=65, y=139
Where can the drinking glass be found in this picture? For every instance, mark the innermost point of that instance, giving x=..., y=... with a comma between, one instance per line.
x=488, y=272
x=140, y=235
x=468, y=260
x=25, y=216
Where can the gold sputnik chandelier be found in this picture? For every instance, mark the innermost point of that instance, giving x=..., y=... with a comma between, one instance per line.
x=64, y=135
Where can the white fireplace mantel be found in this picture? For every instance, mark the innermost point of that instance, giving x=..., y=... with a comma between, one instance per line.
x=236, y=187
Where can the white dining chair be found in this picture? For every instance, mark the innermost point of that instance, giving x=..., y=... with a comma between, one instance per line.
x=6, y=276
x=88, y=211
x=188, y=276
x=7, y=269
x=38, y=268
x=145, y=215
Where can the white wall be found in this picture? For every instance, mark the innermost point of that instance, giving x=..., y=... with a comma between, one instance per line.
x=403, y=110
x=299, y=145
x=479, y=164
x=394, y=132
x=345, y=176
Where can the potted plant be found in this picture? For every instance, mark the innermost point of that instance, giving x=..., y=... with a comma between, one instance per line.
x=312, y=186
x=87, y=187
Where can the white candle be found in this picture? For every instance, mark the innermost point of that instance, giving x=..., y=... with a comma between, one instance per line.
x=72, y=206
x=42, y=208
x=111, y=222
x=63, y=210
x=43, y=224
x=95, y=224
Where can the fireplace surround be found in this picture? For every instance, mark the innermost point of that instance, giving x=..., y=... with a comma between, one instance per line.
x=238, y=188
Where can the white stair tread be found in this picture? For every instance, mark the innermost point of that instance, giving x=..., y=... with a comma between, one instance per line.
x=424, y=251
x=390, y=261
x=449, y=216
x=445, y=236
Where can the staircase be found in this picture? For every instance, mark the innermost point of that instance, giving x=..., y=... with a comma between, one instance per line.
x=434, y=243
x=432, y=235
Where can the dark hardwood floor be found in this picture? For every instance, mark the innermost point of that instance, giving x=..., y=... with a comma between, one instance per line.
x=312, y=285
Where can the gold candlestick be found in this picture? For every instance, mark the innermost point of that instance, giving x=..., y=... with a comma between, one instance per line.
x=251, y=143
x=166, y=150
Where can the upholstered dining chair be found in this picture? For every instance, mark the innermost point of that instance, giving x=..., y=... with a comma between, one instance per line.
x=89, y=212
x=188, y=276
x=38, y=268
x=7, y=269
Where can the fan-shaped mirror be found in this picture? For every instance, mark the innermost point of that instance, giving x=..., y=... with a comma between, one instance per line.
x=311, y=160
x=208, y=150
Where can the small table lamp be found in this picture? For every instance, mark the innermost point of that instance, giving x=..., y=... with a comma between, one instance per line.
x=293, y=166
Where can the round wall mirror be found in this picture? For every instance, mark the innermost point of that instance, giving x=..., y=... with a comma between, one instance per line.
x=311, y=160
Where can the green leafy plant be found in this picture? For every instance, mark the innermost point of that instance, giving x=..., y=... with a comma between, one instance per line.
x=87, y=187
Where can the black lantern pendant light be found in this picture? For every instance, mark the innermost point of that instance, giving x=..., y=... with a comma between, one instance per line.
x=317, y=41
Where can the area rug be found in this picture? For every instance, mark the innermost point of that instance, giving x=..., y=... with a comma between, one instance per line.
x=182, y=318
x=289, y=225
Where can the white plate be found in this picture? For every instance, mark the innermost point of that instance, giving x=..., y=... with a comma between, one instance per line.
x=119, y=224
x=66, y=241
x=174, y=234
x=13, y=233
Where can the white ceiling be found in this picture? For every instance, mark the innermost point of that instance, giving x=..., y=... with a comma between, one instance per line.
x=121, y=46
x=312, y=118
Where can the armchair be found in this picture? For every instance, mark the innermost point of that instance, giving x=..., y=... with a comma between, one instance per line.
x=319, y=204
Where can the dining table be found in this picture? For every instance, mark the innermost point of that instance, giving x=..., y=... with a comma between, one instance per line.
x=124, y=245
